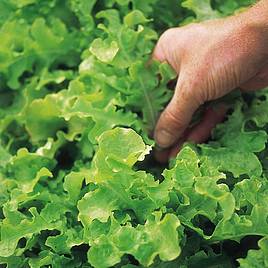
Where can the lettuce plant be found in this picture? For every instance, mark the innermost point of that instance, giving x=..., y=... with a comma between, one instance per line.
x=78, y=187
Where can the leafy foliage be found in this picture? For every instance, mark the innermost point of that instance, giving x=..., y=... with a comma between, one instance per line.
x=78, y=101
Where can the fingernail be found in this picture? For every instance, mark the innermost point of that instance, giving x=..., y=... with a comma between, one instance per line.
x=164, y=139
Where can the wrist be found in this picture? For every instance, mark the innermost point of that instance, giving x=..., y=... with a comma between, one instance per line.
x=256, y=21
x=258, y=14
x=251, y=28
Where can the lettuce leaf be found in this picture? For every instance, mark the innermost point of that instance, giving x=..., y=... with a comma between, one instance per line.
x=79, y=98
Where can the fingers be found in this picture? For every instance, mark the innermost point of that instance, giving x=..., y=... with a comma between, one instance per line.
x=202, y=131
x=168, y=49
x=159, y=52
x=198, y=134
x=259, y=81
x=176, y=117
x=162, y=156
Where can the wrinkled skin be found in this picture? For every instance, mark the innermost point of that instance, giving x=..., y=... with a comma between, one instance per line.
x=211, y=59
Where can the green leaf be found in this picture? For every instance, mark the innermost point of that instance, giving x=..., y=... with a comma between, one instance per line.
x=104, y=254
x=119, y=149
x=199, y=191
x=147, y=93
x=104, y=50
x=232, y=133
x=11, y=234
x=135, y=17
x=202, y=9
x=256, y=258
x=139, y=242
x=79, y=98
x=43, y=118
x=230, y=160
x=27, y=169
x=73, y=184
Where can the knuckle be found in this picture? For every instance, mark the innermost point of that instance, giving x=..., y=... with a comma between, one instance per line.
x=173, y=120
x=161, y=49
x=192, y=25
x=192, y=90
x=168, y=46
x=200, y=96
x=187, y=94
x=191, y=94
x=168, y=35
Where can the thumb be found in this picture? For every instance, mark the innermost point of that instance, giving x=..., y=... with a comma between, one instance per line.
x=176, y=117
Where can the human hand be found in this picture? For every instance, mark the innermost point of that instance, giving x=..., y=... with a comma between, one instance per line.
x=211, y=59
